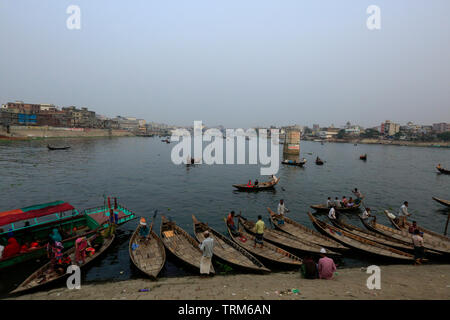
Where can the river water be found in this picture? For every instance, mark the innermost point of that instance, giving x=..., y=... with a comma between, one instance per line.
x=140, y=173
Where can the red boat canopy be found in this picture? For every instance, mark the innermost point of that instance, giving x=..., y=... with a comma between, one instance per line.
x=36, y=211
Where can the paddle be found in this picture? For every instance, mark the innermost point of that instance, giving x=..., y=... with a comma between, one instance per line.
x=151, y=225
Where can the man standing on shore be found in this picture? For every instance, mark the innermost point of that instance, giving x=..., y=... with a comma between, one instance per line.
x=207, y=247
x=259, y=232
x=402, y=214
x=326, y=266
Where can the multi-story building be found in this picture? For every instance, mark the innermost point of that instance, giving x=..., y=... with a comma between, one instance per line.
x=81, y=118
x=441, y=127
x=389, y=128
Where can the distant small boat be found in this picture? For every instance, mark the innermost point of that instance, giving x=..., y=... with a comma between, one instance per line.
x=57, y=148
x=442, y=170
x=269, y=185
x=294, y=163
x=442, y=201
x=319, y=161
x=363, y=157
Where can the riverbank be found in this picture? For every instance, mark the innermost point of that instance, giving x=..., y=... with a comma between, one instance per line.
x=47, y=132
x=435, y=144
x=397, y=282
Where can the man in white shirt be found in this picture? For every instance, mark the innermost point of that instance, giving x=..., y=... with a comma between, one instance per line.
x=281, y=211
x=207, y=247
x=329, y=203
x=332, y=214
x=337, y=203
x=402, y=214
x=366, y=214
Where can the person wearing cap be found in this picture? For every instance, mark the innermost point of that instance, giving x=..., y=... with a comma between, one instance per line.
x=143, y=230
x=207, y=247
x=326, y=266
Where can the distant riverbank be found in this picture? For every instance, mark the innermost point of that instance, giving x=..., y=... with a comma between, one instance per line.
x=44, y=132
x=397, y=282
x=435, y=144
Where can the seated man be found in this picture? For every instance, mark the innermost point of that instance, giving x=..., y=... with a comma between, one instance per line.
x=413, y=227
x=143, y=230
x=366, y=214
x=309, y=268
x=249, y=184
x=329, y=203
x=326, y=266
x=350, y=203
x=337, y=203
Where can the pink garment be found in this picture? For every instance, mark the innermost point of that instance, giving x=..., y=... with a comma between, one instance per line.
x=80, y=249
x=326, y=268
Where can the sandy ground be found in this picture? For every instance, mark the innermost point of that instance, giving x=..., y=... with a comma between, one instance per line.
x=397, y=282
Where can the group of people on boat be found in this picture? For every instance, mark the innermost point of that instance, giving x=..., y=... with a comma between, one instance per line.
x=10, y=246
x=343, y=203
x=272, y=180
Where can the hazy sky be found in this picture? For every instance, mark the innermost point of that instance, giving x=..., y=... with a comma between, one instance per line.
x=238, y=63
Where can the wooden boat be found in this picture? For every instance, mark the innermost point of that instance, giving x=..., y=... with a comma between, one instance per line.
x=359, y=243
x=284, y=239
x=300, y=231
x=57, y=148
x=442, y=201
x=268, y=252
x=181, y=244
x=442, y=170
x=363, y=157
x=325, y=208
x=46, y=275
x=150, y=255
x=294, y=163
x=373, y=236
x=403, y=235
x=261, y=186
x=430, y=233
x=43, y=218
x=227, y=250
x=319, y=162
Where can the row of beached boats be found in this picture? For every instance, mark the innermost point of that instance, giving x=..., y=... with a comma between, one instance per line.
x=285, y=243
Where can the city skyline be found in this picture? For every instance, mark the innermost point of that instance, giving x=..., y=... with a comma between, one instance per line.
x=232, y=64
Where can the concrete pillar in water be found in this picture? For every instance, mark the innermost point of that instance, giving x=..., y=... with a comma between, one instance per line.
x=291, y=147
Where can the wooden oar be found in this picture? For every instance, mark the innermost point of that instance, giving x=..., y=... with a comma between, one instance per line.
x=446, y=225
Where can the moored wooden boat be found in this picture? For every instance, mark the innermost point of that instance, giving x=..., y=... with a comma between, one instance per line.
x=373, y=236
x=429, y=233
x=181, y=244
x=403, y=235
x=261, y=186
x=442, y=170
x=42, y=219
x=442, y=201
x=294, y=163
x=147, y=254
x=359, y=243
x=57, y=148
x=46, y=275
x=325, y=208
x=300, y=231
x=227, y=250
x=269, y=252
x=284, y=239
